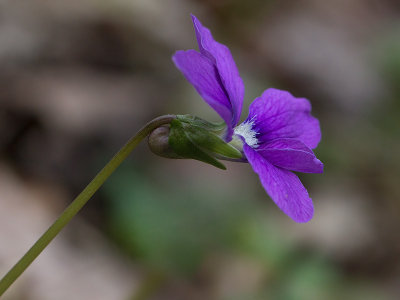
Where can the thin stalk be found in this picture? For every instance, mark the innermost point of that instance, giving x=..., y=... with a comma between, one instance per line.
x=79, y=202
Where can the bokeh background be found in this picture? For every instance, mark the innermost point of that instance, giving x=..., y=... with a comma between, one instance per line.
x=78, y=78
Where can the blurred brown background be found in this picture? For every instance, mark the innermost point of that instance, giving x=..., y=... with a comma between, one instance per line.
x=78, y=78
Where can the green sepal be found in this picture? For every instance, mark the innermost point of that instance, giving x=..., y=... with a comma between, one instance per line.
x=196, y=121
x=211, y=142
x=206, y=135
x=182, y=144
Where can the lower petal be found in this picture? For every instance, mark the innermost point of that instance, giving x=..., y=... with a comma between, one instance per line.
x=283, y=186
x=291, y=154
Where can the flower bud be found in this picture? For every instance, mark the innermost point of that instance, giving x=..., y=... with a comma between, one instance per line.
x=158, y=142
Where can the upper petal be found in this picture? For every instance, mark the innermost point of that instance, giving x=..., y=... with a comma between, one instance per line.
x=283, y=186
x=220, y=55
x=291, y=154
x=203, y=75
x=277, y=114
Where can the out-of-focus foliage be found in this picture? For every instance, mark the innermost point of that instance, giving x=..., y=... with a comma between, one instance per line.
x=170, y=228
x=173, y=231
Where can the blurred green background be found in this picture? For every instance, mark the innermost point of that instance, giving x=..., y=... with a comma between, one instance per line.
x=78, y=78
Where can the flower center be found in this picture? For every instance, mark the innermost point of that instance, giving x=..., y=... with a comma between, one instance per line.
x=246, y=131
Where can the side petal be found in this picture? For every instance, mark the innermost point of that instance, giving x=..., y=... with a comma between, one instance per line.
x=283, y=186
x=203, y=75
x=220, y=55
x=277, y=114
x=291, y=154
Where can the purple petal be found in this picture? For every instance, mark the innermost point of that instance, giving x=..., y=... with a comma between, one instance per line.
x=283, y=186
x=291, y=154
x=202, y=74
x=220, y=55
x=278, y=114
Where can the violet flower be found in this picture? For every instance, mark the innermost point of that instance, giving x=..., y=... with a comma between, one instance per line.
x=278, y=134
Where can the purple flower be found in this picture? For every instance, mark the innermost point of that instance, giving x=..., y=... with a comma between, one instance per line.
x=278, y=134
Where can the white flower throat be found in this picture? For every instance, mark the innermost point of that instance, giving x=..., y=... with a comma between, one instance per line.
x=246, y=131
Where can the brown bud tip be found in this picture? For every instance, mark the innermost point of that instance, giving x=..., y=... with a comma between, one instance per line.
x=158, y=142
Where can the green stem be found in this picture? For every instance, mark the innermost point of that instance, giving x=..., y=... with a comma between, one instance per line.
x=79, y=202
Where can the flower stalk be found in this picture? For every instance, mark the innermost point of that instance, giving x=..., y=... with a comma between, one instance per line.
x=80, y=201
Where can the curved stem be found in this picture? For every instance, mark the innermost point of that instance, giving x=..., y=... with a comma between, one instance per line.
x=79, y=202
